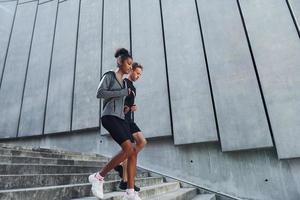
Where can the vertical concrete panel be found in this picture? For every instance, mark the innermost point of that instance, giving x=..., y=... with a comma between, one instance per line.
x=152, y=88
x=276, y=49
x=59, y=104
x=192, y=110
x=116, y=33
x=7, y=11
x=15, y=69
x=34, y=101
x=295, y=5
x=25, y=1
x=43, y=1
x=239, y=106
x=86, y=105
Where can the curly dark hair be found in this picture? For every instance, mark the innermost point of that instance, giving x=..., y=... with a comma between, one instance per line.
x=122, y=54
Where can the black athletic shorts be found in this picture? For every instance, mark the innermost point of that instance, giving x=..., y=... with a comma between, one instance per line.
x=133, y=128
x=118, y=128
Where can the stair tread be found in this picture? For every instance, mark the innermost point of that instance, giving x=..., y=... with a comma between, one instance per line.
x=121, y=193
x=172, y=195
x=44, y=188
x=41, y=164
x=14, y=152
x=57, y=174
x=205, y=197
x=50, y=152
x=5, y=175
x=69, y=185
x=40, y=168
x=47, y=158
x=44, y=150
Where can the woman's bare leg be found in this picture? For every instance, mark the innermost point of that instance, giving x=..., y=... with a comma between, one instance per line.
x=140, y=144
x=140, y=141
x=127, y=151
x=124, y=165
x=131, y=169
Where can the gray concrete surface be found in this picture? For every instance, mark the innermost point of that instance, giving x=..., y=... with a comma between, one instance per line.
x=256, y=174
x=44, y=1
x=27, y=181
x=239, y=106
x=295, y=6
x=296, y=9
x=249, y=174
x=148, y=49
x=7, y=11
x=15, y=69
x=86, y=105
x=191, y=103
x=59, y=104
x=276, y=49
x=238, y=111
x=25, y=1
x=34, y=101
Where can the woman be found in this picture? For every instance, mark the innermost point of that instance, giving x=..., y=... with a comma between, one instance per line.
x=129, y=110
x=113, y=89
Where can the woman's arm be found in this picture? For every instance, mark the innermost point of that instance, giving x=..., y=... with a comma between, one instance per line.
x=103, y=92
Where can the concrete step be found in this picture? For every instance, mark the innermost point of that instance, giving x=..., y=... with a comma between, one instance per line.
x=49, y=192
x=38, y=173
x=39, y=180
x=110, y=186
x=145, y=181
x=45, y=150
x=57, y=161
x=77, y=190
x=31, y=153
x=205, y=197
x=45, y=169
x=15, y=169
x=180, y=194
x=145, y=193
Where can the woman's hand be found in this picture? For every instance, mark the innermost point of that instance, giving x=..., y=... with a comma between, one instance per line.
x=126, y=109
x=133, y=108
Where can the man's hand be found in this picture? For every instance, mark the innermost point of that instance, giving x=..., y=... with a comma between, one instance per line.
x=133, y=92
x=133, y=108
x=126, y=109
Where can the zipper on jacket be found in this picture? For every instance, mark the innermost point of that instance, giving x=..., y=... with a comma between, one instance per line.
x=123, y=109
x=114, y=106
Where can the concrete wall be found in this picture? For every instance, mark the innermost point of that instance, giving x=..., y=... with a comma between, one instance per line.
x=214, y=70
x=220, y=76
x=217, y=71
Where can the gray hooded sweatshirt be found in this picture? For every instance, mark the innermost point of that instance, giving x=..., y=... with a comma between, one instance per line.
x=113, y=95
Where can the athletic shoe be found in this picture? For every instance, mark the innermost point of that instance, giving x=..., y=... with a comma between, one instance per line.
x=97, y=186
x=123, y=186
x=133, y=196
x=119, y=169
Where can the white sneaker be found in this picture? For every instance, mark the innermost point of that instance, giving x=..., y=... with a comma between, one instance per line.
x=97, y=186
x=133, y=196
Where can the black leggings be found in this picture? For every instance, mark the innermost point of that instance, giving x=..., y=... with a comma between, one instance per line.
x=118, y=128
